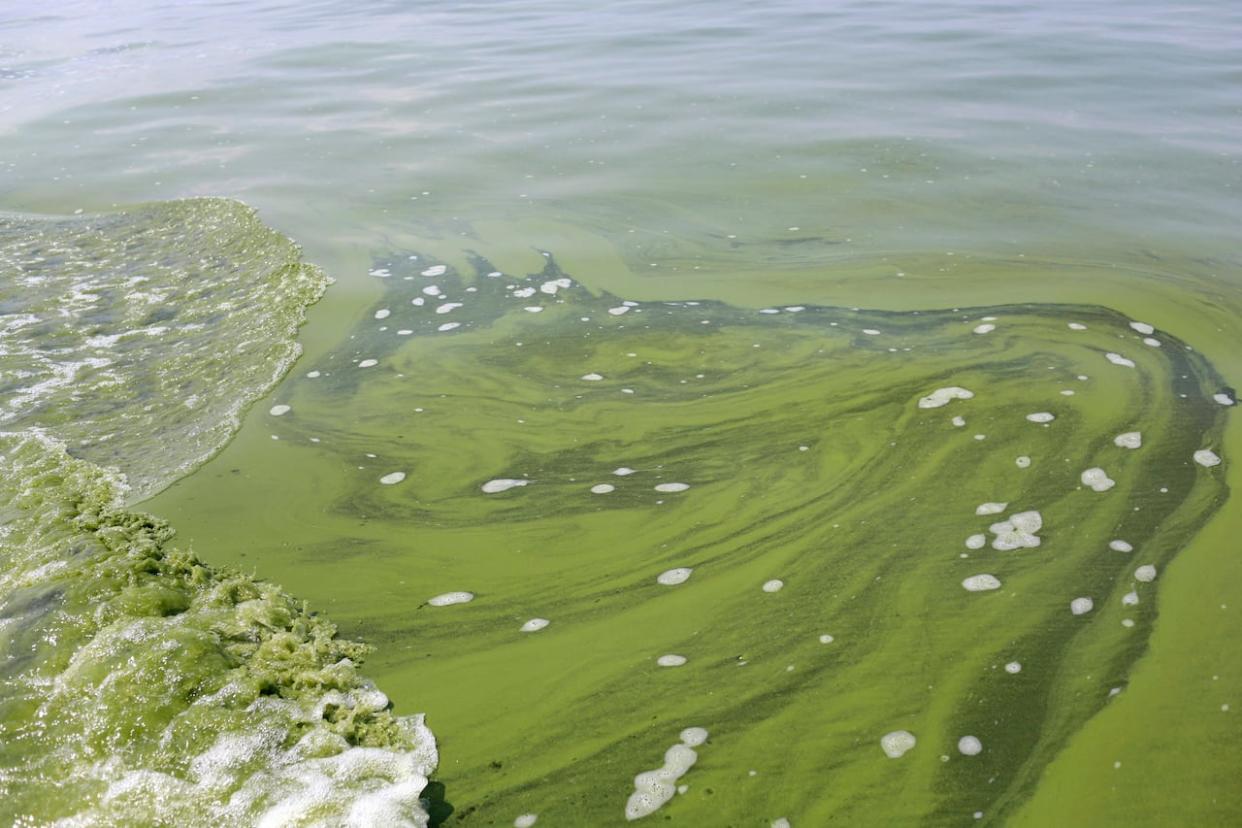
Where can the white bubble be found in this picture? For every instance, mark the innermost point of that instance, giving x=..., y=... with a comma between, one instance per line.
x=976, y=541
x=502, y=484
x=368, y=363
x=1041, y=417
x=987, y=327
x=1207, y=457
x=774, y=585
x=435, y=270
x=896, y=744
x=313, y=374
x=1119, y=545
x=1077, y=326
x=618, y=311
x=672, y=487
x=525, y=821
x=1223, y=399
x=1118, y=359
x=1013, y=668
x=390, y=479
x=673, y=577
x=942, y=396
x=382, y=313
x=592, y=377
x=969, y=746
x=1096, y=479
x=1145, y=573
x=603, y=488
x=622, y=471
x=1023, y=462
x=1130, y=440
x=871, y=332
x=990, y=508
x=1081, y=606
x=1142, y=327
x=535, y=625
x=448, y=326
x=279, y=410
x=959, y=421
x=671, y=660
x=448, y=307
x=826, y=639
x=450, y=598
x=981, y=583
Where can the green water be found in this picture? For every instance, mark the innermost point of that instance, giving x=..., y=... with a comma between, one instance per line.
x=905, y=168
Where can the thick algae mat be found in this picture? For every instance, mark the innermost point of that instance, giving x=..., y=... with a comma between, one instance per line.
x=467, y=436
x=138, y=685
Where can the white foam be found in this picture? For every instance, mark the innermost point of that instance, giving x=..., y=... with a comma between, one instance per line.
x=987, y=327
x=525, y=821
x=435, y=270
x=1022, y=462
x=448, y=307
x=1130, y=440
x=976, y=541
x=618, y=310
x=623, y=471
x=1077, y=326
x=1145, y=573
x=592, y=377
x=969, y=746
x=774, y=585
x=382, y=313
x=524, y=293
x=672, y=487
x=1019, y=532
x=673, y=577
x=942, y=396
x=448, y=599
x=1041, y=417
x=1207, y=457
x=419, y=301
x=1013, y=668
x=535, y=625
x=368, y=363
x=871, y=332
x=1120, y=546
x=603, y=488
x=671, y=660
x=981, y=583
x=1142, y=327
x=990, y=508
x=1223, y=399
x=896, y=744
x=313, y=374
x=432, y=290
x=1081, y=606
x=780, y=822
x=393, y=478
x=959, y=421
x=654, y=788
x=279, y=410
x=502, y=484
x=553, y=286
x=1118, y=359
x=533, y=309
x=448, y=326
x=1097, y=479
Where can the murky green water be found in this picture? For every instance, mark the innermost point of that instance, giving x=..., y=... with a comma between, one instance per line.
x=906, y=169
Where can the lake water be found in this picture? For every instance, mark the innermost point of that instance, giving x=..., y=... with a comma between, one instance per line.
x=820, y=373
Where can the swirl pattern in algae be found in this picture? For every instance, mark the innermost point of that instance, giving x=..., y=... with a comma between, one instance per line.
x=516, y=438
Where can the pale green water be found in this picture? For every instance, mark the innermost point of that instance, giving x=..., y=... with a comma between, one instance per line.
x=890, y=156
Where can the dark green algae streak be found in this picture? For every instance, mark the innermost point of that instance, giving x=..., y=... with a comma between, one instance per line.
x=808, y=461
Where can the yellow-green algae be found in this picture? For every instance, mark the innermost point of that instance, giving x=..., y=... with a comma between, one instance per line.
x=809, y=461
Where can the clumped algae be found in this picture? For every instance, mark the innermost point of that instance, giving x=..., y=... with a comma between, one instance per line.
x=139, y=686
